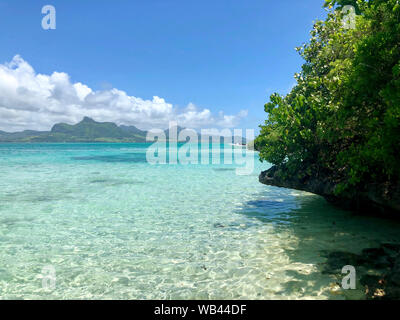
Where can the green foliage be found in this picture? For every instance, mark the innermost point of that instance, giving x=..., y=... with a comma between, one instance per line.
x=343, y=116
x=357, y=4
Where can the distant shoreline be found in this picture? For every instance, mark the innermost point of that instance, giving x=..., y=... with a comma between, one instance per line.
x=91, y=131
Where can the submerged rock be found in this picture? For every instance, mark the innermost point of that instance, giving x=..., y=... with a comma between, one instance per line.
x=377, y=258
x=337, y=260
x=378, y=270
x=394, y=275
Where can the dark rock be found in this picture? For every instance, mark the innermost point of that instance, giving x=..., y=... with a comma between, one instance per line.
x=276, y=176
x=371, y=281
x=374, y=286
x=394, y=279
x=383, y=198
x=392, y=293
x=376, y=258
x=337, y=260
x=377, y=268
x=394, y=274
x=391, y=249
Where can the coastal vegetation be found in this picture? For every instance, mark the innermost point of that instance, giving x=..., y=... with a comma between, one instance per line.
x=337, y=133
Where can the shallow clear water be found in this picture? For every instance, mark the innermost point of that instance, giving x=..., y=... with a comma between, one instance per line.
x=114, y=227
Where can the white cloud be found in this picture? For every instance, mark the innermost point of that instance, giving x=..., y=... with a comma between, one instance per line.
x=36, y=101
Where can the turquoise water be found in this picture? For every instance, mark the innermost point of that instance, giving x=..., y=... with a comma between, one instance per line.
x=115, y=227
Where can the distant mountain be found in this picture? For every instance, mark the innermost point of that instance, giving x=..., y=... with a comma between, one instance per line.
x=88, y=130
x=205, y=138
x=177, y=129
x=133, y=130
x=19, y=136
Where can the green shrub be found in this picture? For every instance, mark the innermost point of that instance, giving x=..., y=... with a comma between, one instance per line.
x=343, y=115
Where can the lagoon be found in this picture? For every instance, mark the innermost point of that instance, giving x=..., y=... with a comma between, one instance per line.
x=116, y=227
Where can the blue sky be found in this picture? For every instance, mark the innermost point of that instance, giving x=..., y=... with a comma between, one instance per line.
x=218, y=55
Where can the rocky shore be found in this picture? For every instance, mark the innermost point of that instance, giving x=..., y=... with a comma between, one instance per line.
x=381, y=198
x=378, y=269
